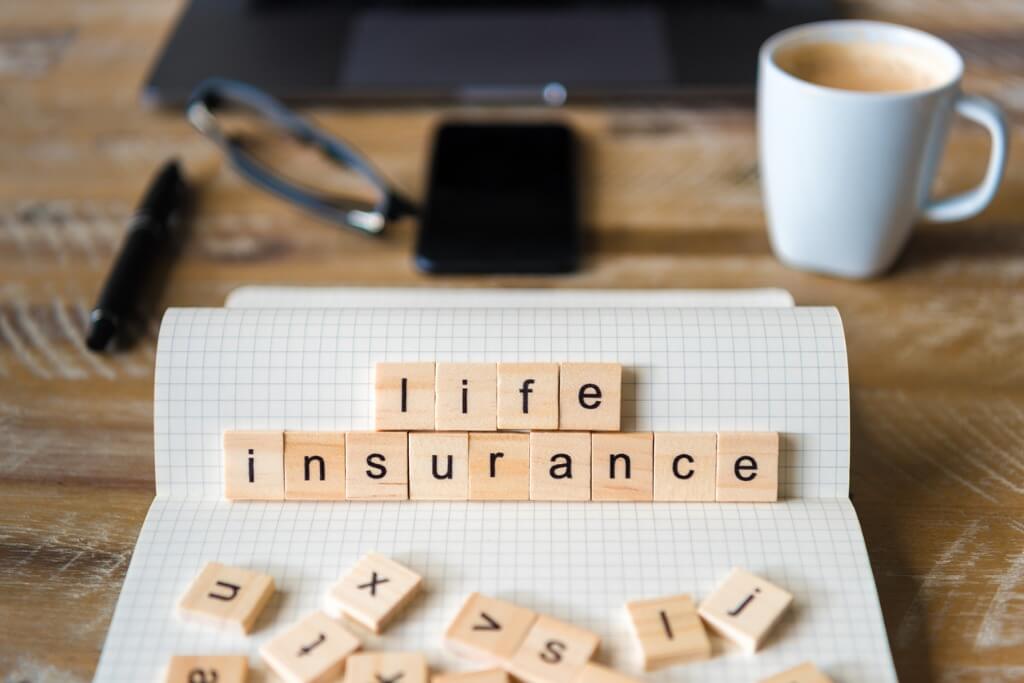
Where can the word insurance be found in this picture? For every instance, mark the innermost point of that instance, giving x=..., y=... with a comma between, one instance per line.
x=539, y=465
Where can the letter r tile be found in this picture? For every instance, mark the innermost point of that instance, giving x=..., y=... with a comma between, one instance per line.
x=374, y=591
x=488, y=629
x=228, y=597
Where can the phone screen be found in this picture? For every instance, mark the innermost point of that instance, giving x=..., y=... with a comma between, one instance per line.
x=502, y=199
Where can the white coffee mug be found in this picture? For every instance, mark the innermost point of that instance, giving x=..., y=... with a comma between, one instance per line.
x=846, y=173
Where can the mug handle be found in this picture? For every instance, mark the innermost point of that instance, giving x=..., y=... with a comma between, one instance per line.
x=972, y=202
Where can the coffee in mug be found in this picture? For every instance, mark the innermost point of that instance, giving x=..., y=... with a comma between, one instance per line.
x=853, y=117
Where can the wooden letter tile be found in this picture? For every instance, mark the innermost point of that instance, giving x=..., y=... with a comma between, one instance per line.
x=376, y=466
x=685, y=465
x=374, y=591
x=228, y=597
x=387, y=667
x=207, y=669
x=499, y=466
x=668, y=630
x=748, y=467
x=311, y=651
x=254, y=465
x=590, y=396
x=553, y=652
x=314, y=465
x=438, y=466
x=805, y=673
x=743, y=608
x=485, y=676
x=467, y=396
x=595, y=673
x=527, y=396
x=622, y=466
x=559, y=466
x=404, y=396
x=488, y=629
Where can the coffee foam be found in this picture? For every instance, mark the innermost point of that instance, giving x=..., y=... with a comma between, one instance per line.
x=862, y=66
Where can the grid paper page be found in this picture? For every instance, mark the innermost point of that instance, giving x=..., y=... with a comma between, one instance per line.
x=764, y=369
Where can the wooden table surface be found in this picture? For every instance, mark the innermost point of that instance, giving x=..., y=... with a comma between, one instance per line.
x=671, y=199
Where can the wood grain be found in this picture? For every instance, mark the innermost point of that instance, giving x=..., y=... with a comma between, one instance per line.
x=670, y=197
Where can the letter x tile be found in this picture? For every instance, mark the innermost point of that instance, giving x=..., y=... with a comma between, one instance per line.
x=374, y=591
x=228, y=597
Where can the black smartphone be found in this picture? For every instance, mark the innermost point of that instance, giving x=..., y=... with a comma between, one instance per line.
x=501, y=199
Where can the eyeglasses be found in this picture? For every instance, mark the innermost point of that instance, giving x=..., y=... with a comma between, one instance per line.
x=242, y=148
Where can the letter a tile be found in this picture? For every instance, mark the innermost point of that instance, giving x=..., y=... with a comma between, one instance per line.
x=488, y=629
x=312, y=651
x=744, y=608
x=374, y=591
x=404, y=396
x=805, y=673
x=254, y=465
x=387, y=667
x=668, y=630
x=559, y=466
x=748, y=467
x=553, y=652
x=228, y=597
x=207, y=669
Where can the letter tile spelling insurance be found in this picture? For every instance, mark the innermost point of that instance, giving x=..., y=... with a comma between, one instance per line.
x=387, y=667
x=621, y=466
x=438, y=465
x=253, y=465
x=314, y=465
x=748, y=467
x=595, y=673
x=207, y=669
x=485, y=676
x=684, y=466
x=804, y=673
x=374, y=591
x=553, y=652
x=668, y=631
x=488, y=629
x=229, y=597
x=313, y=650
x=467, y=396
x=404, y=396
x=743, y=608
x=559, y=466
x=376, y=466
x=527, y=395
x=590, y=396
x=499, y=466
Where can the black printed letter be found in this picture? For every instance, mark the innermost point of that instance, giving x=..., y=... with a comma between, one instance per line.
x=376, y=461
x=590, y=396
x=743, y=464
x=611, y=465
x=446, y=475
x=565, y=466
x=307, y=460
x=675, y=466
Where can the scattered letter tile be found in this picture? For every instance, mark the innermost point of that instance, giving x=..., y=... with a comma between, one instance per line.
x=668, y=631
x=748, y=467
x=387, y=667
x=488, y=629
x=744, y=607
x=376, y=466
x=314, y=465
x=553, y=652
x=684, y=466
x=438, y=466
x=622, y=466
x=559, y=466
x=311, y=651
x=207, y=669
x=404, y=396
x=253, y=465
x=485, y=676
x=805, y=673
x=527, y=396
x=467, y=396
x=374, y=591
x=228, y=597
x=590, y=396
x=595, y=673
x=499, y=466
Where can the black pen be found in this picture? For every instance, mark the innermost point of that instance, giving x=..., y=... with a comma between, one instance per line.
x=149, y=243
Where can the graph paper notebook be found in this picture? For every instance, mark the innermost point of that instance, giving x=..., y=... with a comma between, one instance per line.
x=761, y=369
